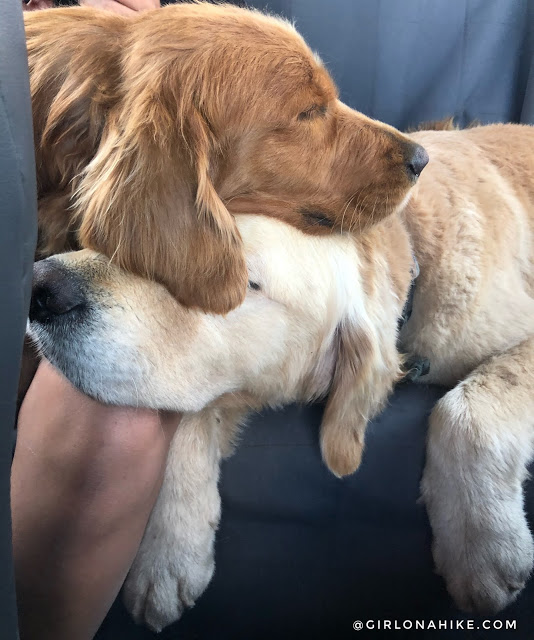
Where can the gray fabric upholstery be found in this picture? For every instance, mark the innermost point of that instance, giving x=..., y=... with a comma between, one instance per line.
x=17, y=246
x=408, y=61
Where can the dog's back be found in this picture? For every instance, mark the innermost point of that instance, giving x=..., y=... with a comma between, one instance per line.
x=471, y=220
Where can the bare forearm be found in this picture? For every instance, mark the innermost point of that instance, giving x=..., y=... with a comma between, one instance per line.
x=84, y=481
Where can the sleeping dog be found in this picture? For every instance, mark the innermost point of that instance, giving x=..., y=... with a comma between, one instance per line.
x=320, y=317
x=151, y=130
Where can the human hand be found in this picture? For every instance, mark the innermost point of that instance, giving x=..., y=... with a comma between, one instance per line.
x=124, y=7
x=33, y=5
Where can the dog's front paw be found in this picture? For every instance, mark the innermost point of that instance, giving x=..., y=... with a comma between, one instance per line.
x=485, y=568
x=175, y=561
x=167, y=579
x=472, y=487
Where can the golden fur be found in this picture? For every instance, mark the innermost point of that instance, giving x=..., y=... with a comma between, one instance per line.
x=151, y=130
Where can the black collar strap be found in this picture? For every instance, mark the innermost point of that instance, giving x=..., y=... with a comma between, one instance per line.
x=416, y=366
x=408, y=305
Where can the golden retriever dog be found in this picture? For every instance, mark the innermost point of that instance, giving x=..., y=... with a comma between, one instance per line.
x=150, y=131
x=321, y=316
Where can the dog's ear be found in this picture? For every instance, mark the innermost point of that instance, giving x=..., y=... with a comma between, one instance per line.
x=121, y=139
x=147, y=201
x=367, y=367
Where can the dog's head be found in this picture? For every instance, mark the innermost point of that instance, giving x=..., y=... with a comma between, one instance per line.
x=154, y=129
x=319, y=316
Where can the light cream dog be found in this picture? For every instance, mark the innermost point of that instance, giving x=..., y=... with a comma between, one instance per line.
x=320, y=316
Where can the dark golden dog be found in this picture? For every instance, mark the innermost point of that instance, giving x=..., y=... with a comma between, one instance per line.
x=151, y=130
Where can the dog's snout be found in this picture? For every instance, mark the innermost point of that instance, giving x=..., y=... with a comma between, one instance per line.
x=55, y=291
x=416, y=161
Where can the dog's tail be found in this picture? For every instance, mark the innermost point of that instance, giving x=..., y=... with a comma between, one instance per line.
x=445, y=124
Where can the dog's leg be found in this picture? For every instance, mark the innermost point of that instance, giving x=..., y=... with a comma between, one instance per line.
x=480, y=442
x=175, y=561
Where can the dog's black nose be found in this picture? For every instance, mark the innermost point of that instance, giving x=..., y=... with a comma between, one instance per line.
x=416, y=161
x=55, y=291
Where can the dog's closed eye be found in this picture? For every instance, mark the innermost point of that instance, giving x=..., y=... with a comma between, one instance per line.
x=312, y=112
x=316, y=218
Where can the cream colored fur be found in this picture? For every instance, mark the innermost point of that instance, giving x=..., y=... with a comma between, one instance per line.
x=471, y=220
x=325, y=320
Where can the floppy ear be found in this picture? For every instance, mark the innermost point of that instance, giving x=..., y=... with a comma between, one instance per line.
x=152, y=208
x=367, y=367
x=119, y=137
x=147, y=199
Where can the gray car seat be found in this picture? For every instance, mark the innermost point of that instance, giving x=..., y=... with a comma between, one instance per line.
x=17, y=245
